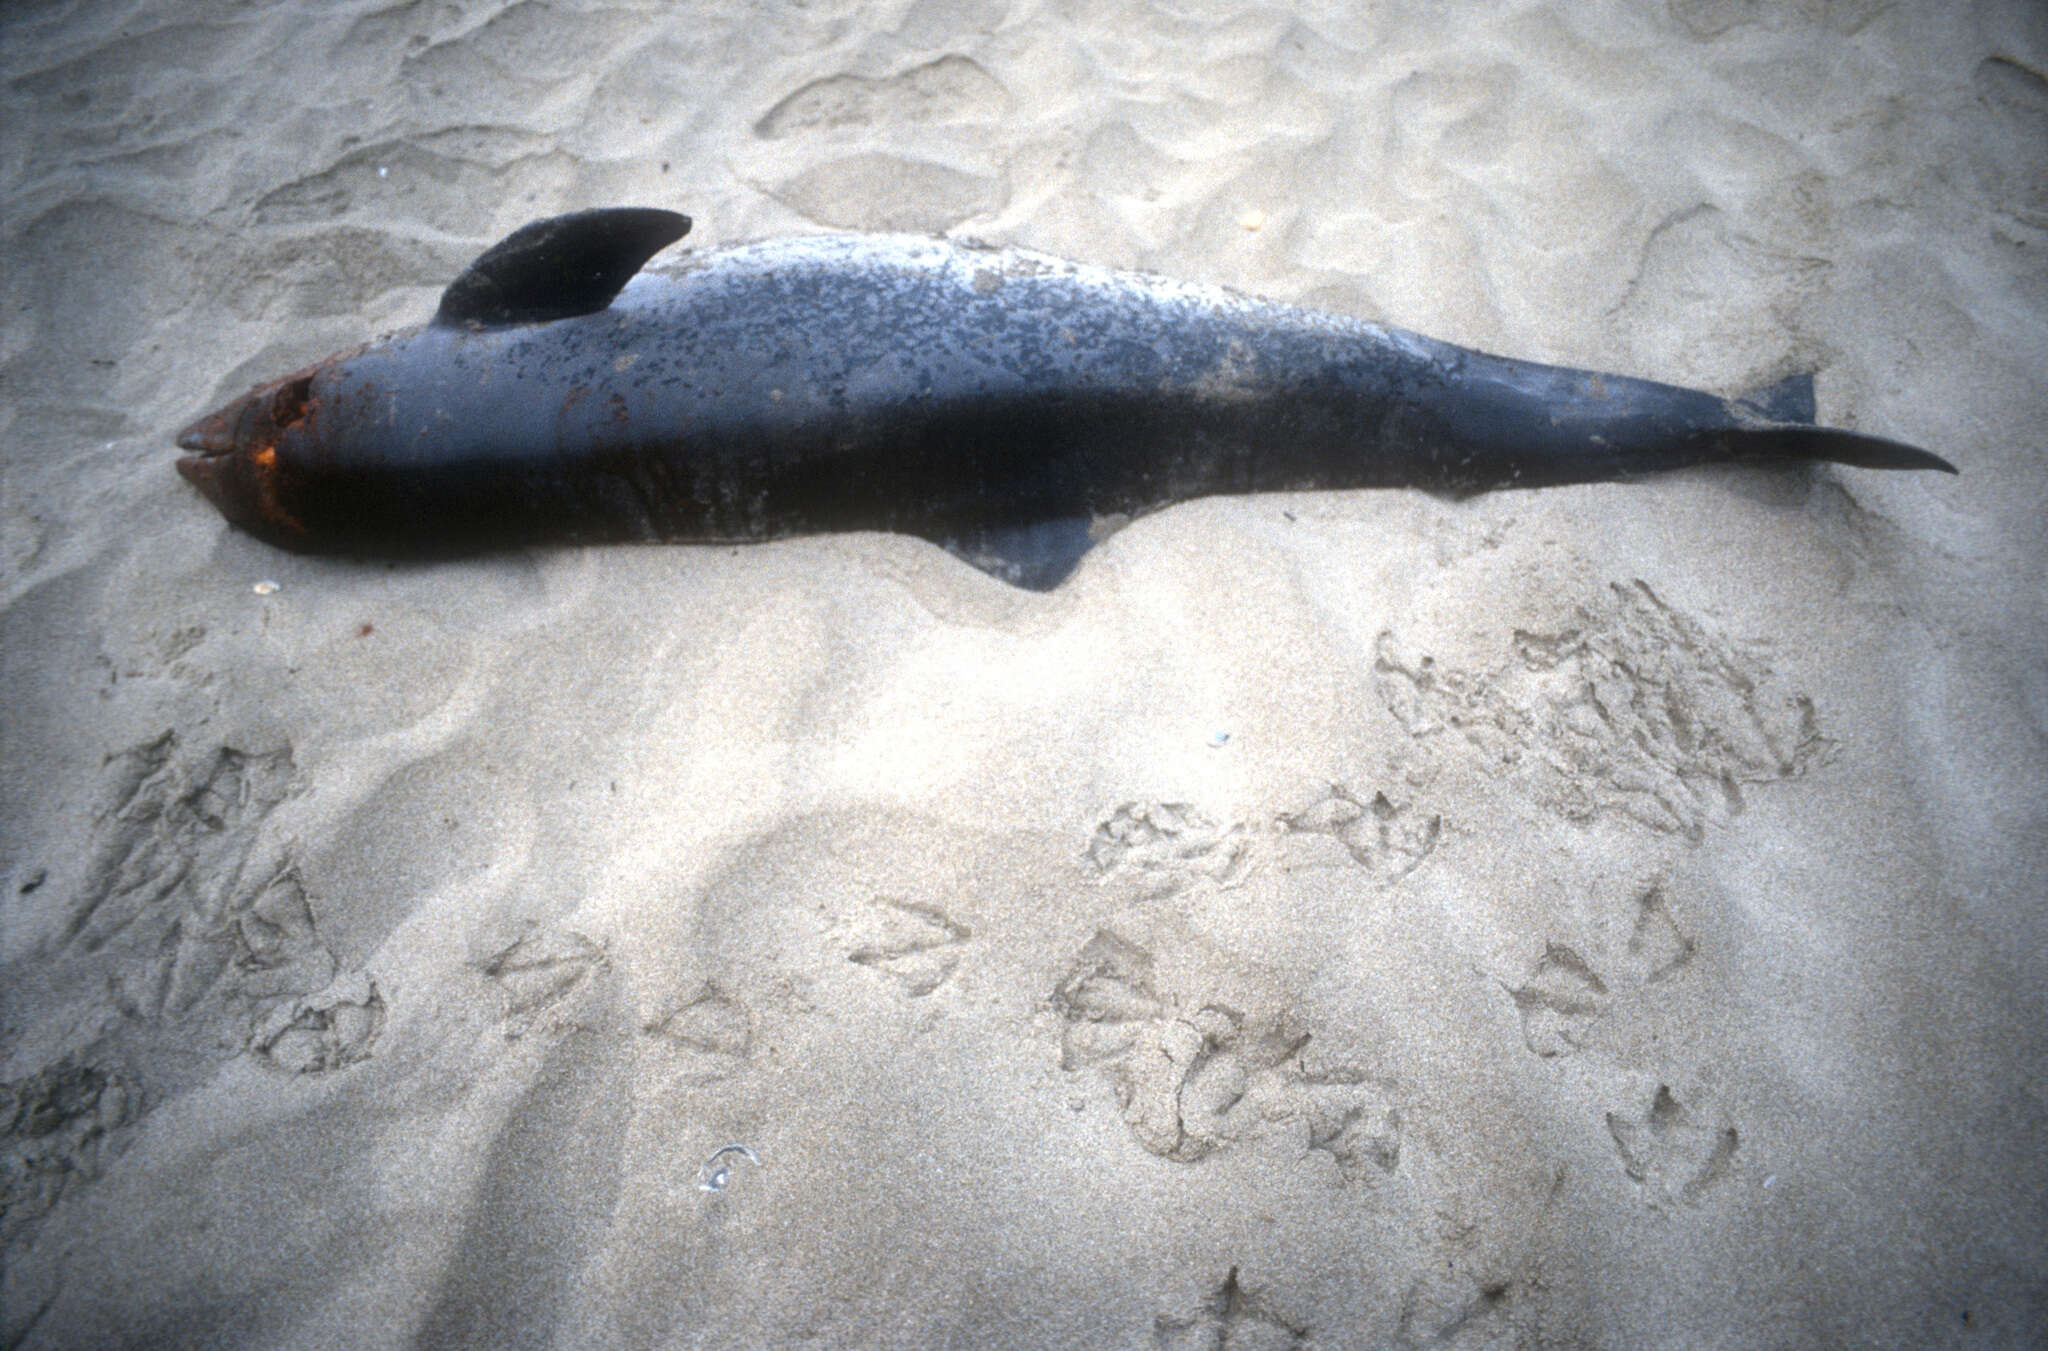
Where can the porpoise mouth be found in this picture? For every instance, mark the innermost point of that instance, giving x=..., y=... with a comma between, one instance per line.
x=235, y=454
x=213, y=467
x=200, y=471
x=225, y=478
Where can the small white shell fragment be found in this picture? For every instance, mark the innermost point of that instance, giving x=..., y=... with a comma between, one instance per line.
x=713, y=1176
x=265, y=587
x=1219, y=738
x=1251, y=220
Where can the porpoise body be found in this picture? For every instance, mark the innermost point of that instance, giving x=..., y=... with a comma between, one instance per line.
x=1007, y=405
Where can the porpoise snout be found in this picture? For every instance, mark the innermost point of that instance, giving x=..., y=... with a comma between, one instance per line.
x=214, y=434
x=236, y=460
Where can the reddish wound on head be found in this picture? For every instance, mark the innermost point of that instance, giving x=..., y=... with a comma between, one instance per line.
x=263, y=464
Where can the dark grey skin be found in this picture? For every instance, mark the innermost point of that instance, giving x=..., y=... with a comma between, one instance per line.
x=1006, y=405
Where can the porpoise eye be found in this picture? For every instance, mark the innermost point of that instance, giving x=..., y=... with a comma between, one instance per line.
x=291, y=402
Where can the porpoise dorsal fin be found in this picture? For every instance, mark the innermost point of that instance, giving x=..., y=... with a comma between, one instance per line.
x=560, y=267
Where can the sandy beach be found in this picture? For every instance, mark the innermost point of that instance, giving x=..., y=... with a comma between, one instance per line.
x=1604, y=916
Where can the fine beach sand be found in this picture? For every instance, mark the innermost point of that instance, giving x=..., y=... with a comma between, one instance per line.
x=1607, y=917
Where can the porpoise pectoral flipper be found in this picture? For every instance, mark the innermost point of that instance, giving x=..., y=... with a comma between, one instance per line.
x=1006, y=405
x=1036, y=555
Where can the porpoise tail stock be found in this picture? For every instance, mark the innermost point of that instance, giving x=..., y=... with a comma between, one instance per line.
x=1009, y=406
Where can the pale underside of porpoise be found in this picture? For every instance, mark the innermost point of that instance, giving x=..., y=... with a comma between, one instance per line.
x=1009, y=406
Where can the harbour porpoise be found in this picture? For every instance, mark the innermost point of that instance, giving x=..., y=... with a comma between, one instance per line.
x=1007, y=405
